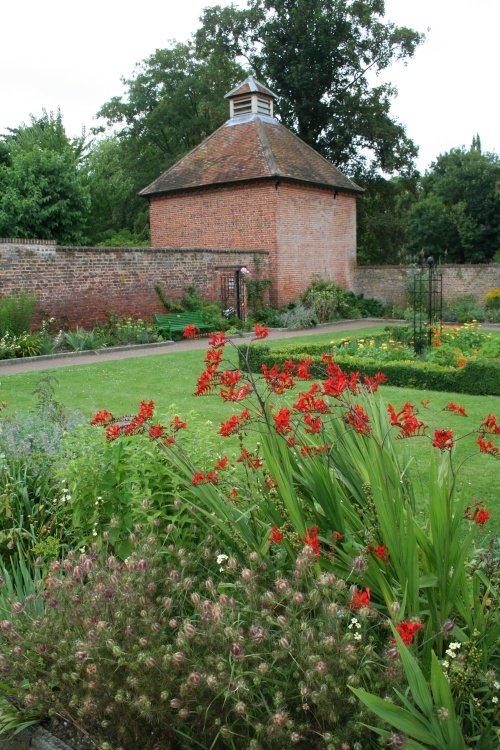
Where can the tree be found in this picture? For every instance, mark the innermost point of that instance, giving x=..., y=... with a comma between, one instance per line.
x=319, y=56
x=457, y=216
x=172, y=102
x=42, y=182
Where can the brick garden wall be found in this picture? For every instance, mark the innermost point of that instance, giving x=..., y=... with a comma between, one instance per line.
x=81, y=285
x=387, y=283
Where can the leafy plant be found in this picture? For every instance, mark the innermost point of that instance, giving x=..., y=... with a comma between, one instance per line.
x=17, y=313
x=80, y=340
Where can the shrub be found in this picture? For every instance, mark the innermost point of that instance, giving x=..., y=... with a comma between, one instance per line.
x=298, y=317
x=16, y=313
x=492, y=299
x=80, y=340
x=206, y=651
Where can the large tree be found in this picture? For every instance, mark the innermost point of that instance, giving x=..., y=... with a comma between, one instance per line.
x=173, y=101
x=43, y=191
x=457, y=216
x=321, y=58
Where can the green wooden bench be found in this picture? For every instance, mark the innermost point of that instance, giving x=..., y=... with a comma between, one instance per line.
x=170, y=323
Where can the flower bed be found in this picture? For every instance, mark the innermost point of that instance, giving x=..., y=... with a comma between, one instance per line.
x=291, y=595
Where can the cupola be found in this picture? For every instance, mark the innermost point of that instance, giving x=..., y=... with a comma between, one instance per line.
x=250, y=98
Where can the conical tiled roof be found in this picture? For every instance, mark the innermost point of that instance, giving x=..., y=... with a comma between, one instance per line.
x=250, y=147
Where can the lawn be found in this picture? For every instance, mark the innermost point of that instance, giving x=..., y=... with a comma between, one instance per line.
x=169, y=380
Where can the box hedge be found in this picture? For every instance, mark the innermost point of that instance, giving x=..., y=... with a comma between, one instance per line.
x=479, y=378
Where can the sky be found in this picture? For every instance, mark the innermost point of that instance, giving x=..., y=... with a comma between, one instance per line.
x=60, y=54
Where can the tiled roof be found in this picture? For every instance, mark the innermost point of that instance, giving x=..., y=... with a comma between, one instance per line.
x=245, y=148
x=249, y=86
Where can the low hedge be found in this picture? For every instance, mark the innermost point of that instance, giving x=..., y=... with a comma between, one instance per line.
x=479, y=378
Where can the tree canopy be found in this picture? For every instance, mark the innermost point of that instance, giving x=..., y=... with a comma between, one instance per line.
x=43, y=190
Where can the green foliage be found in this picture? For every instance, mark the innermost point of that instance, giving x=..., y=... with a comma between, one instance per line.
x=298, y=316
x=81, y=340
x=492, y=299
x=256, y=291
x=17, y=312
x=207, y=652
x=456, y=218
x=42, y=187
x=315, y=55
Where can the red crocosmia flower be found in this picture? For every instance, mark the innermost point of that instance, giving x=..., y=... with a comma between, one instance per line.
x=102, y=417
x=443, y=439
x=217, y=340
x=407, y=631
x=212, y=477
x=406, y=420
x=278, y=381
x=487, y=447
x=234, y=423
x=489, y=424
x=229, y=377
x=169, y=440
x=336, y=536
x=353, y=383
x=327, y=359
x=312, y=541
x=315, y=425
x=198, y=478
x=291, y=441
x=307, y=403
x=425, y=402
x=372, y=384
x=178, y=424
x=146, y=409
x=261, y=332
x=221, y=464
x=190, y=331
x=455, y=408
x=482, y=516
x=239, y=394
x=302, y=371
x=205, y=383
x=357, y=418
x=276, y=535
x=306, y=450
x=380, y=552
x=213, y=358
x=156, y=431
x=247, y=458
x=112, y=431
x=360, y=599
x=233, y=495
x=282, y=421
x=336, y=384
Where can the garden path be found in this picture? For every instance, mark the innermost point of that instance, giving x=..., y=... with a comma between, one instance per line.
x=33, y=364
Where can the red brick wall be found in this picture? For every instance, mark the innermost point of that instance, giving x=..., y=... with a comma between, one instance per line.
x=388, y=283
x=240, y=217
x=316, y=237
x=81, y=285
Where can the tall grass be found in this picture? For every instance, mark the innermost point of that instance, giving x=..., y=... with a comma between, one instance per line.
x=17, y=312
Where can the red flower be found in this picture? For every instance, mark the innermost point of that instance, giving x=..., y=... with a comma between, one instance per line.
x=169, y=440
x=456, y=408
x=233, y=495
x=146, y=409
x=212, y=477
x=372, y=384
x=278, y=381
x=282, y=421
x=112, y=432
x=312, y=541
x=235, y=395
x=380, y=552
x=406, y=420
x=482, y=516
x=489, y=424
x=217, y=340
x=276, y=535
x=443, y=439
x=360, y=599
x=307, y=403
x=234, y=423
x=102, y=417
x=178, y=424
x=487, y=447
x=213, y=358
x=190, y=331
x=261, y=332
x=156, y=431
x=314, y=424
x=198, y=478
x=247, y=458
x=230, y=377
x=357, y=417
x=353, y=383
x=221, y=464
x=407, y=631
x=303, y=369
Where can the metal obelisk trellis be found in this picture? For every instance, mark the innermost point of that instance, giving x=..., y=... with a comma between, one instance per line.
x=427, y=305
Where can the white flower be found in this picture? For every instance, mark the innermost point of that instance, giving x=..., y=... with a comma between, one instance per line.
x=496, y=685
x=357, y=636
x=494, y=699
x=221, y=559
x=445, y=664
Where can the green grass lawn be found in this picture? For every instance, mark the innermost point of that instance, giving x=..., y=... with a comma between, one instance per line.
x=169, y=379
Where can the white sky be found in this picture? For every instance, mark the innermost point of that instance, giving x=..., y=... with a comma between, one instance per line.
x=62, y=54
